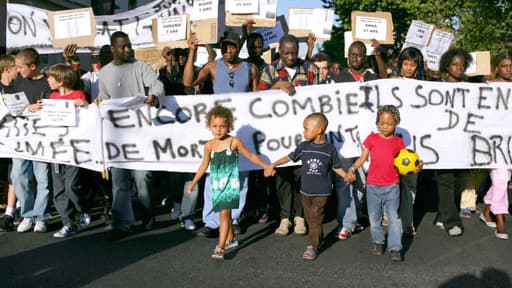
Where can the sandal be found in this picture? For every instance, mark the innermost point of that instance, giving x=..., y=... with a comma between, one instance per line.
x=218, y=253
x=309, y=254
x=465, y=213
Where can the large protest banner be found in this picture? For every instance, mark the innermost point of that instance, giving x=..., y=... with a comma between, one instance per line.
x=450, y=125
x=28, y=26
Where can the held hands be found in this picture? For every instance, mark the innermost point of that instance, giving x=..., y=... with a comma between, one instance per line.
x=269, y=171
x=151, y=100
x=35, y=107
x=350, y=176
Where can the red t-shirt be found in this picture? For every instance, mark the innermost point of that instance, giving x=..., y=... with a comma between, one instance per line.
x=382, y=170
x=76, y=94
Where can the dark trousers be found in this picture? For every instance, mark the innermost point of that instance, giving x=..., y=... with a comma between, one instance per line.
x=66, y=192
x=314, y=207
x=449, y=187
x=287, y=187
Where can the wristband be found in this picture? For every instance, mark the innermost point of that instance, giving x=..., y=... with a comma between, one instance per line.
x=75, y=63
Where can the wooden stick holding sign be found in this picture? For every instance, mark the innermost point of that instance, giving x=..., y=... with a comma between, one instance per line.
x=72, y=26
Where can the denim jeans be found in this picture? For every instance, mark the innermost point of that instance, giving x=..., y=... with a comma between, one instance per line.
x=32, y=205
x=122, y=210
x=211, y=218
x=347, y=214
x=378, y=197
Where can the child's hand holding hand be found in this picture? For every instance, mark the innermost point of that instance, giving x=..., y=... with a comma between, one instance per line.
x=420, y=167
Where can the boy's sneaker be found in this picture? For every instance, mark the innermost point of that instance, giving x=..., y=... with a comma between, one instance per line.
x=455, y=231
x=64, y=232
x=378, y=249
x=40, y=226
x=6, y=223
x=85, y=220
x=300, y=226
x=25, y=225
x=231, y=244
x=284, y=227
x=395, y=255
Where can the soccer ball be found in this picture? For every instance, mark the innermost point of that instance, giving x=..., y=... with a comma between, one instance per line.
x=406, y=161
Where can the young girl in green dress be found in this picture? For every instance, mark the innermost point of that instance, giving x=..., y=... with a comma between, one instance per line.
x=221, y=154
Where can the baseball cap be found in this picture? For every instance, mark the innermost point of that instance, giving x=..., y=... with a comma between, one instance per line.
x=232, y=37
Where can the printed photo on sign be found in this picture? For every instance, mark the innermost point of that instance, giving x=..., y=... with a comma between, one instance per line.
x=58, y=113
x=16, y=103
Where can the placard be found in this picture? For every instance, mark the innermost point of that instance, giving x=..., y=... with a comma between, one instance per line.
x=171, y=31
x=419, y=33
x=273, y=35
x=209, y=24
x=77, y=26
x=205, y=9
x=264, y=17
x=481, y=64
x=58, y=112
x=439, y=43
x=242, y=6
x=16, y=103
x=372, y=25
x=302, y=21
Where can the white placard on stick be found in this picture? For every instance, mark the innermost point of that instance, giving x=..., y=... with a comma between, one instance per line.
x=372, y=25
x=302, y=21
x=242, y=6
x=16, y=103
x=419, y=33
x=58, y=113
x=205, y=9
x=265, y=16
x=76, y=26
x=171, y=31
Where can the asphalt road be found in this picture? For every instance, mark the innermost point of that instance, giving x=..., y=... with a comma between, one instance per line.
x=168, y=256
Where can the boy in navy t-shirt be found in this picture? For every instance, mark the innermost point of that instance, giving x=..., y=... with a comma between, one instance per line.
x=319, y=158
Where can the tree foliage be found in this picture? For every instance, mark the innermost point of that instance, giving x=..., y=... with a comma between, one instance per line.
x=478, y=25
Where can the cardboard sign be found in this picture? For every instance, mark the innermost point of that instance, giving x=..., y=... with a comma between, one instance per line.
x=16, y=103
x=209, y=24
x=372, y=25
x=242, y=6
x=58, y=113
x=419, y=33
x=273, y=35
x=264, y=17
x=171, y=31
x=77, y=26
x=302, y=21
x=481, y=64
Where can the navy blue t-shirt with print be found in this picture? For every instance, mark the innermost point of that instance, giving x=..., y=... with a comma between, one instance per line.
x=318, y=160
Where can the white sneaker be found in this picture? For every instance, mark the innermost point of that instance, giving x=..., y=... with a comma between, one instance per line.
x=40, y=226
x=64, y=232
x=188, y=224
x=25, y=225
x=455, y=231
x=176, y=211
x=440, y=225
x=85, y=220
x=231, y=244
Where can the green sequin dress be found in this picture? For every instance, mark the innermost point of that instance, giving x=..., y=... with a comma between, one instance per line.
x=225, y=181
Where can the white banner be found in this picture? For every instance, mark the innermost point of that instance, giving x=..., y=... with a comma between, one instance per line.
x=461, y=125
x=27, y=26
